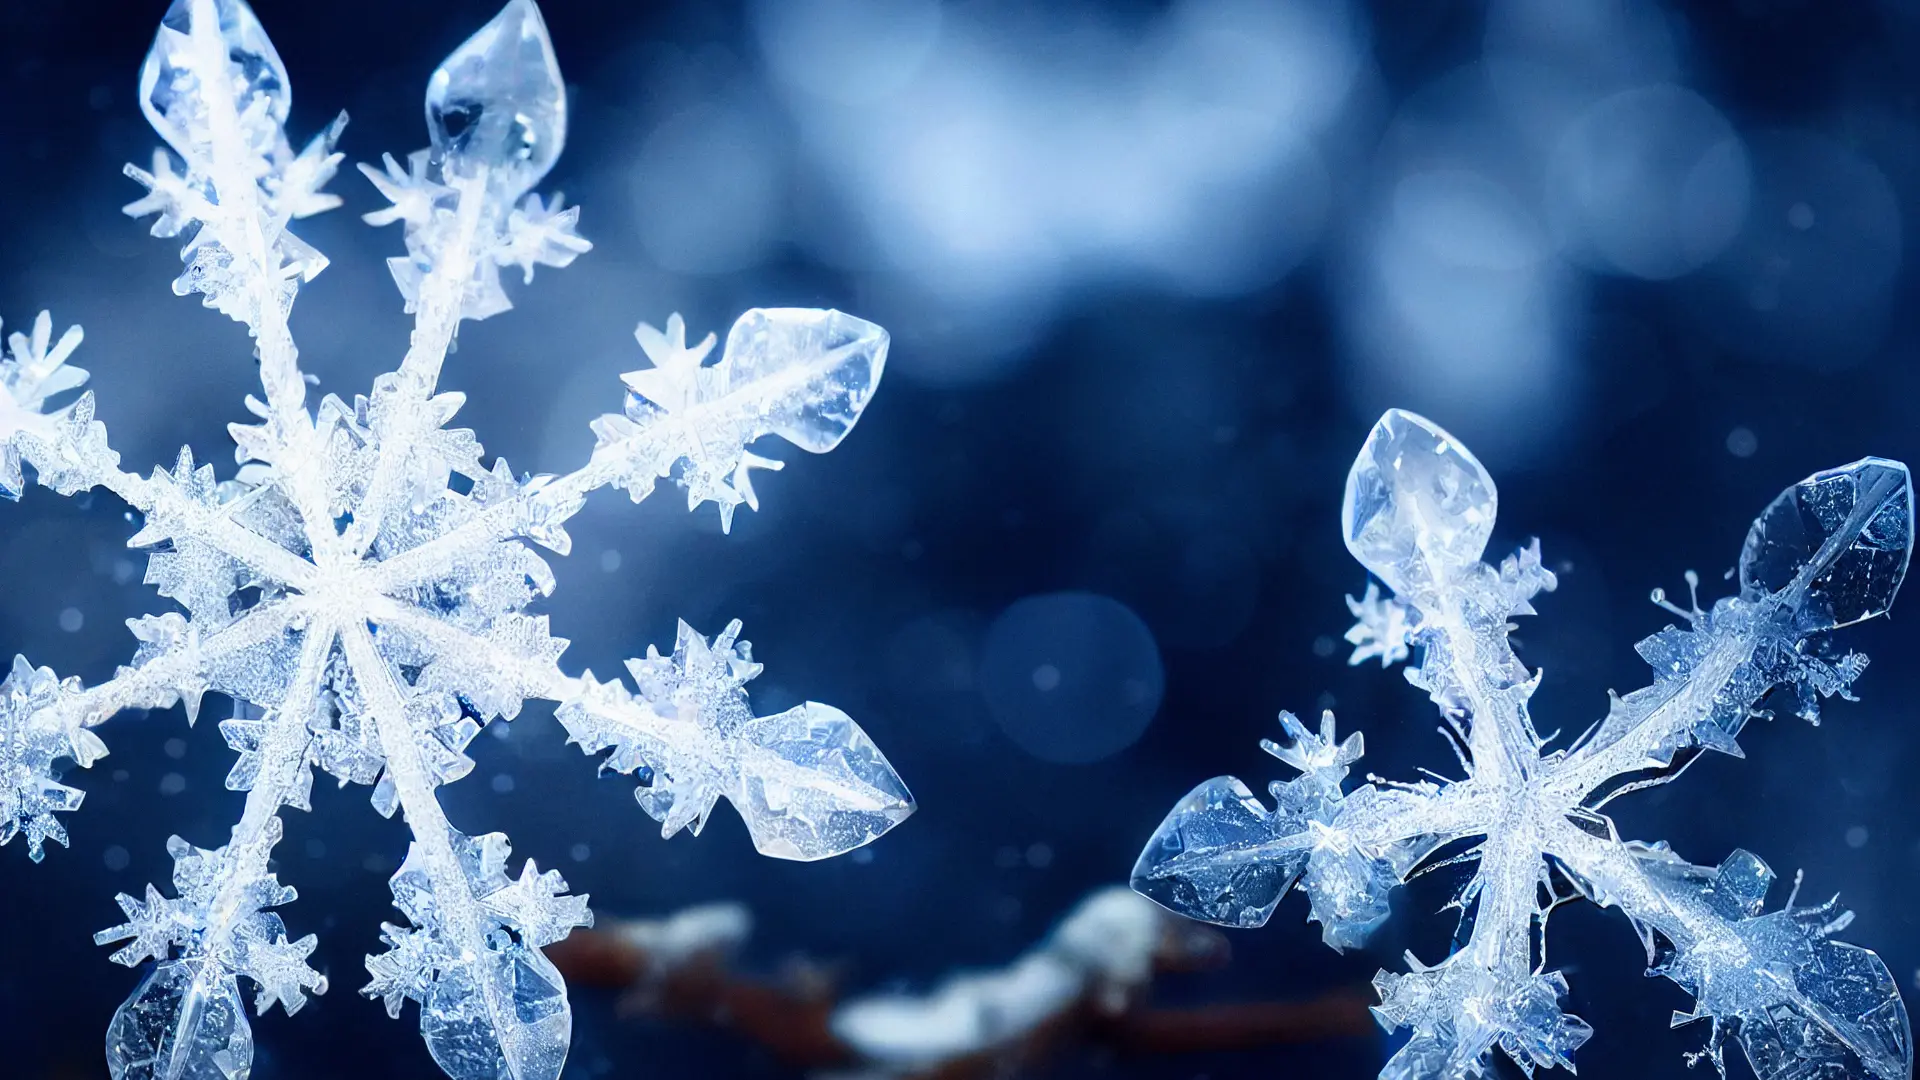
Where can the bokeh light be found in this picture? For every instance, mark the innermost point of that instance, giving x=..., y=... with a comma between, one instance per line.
x=1071, y=677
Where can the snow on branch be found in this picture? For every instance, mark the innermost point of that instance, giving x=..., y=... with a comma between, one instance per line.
x=1088, y=984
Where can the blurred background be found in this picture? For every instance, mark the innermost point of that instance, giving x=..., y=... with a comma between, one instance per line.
x=1151, y=270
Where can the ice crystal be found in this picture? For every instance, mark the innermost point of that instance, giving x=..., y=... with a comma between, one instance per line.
x=360, y=587
x=1830, y=551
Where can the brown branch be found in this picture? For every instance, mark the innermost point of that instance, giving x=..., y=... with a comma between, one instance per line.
x=791, y=1016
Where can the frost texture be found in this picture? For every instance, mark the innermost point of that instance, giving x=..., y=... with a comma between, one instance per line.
x=366, y=610
x=1830, y=551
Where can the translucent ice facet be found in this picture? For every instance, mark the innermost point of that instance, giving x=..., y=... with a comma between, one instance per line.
x=1418, y=503
x=802, y=374
x=497, y=103
x=808, y=782
x=1459, y=1011
x=1222, y=857
x=174, y=88
x=1837, y=542
x=815, y=786
x=185, y=1021
x=1215, y=858
x=491, y=1005
x=826, y=363
x=31, y=754
x=526, y=1040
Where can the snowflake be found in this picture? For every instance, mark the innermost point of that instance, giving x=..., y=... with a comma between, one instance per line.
x=1829, y=552
x=360, y=587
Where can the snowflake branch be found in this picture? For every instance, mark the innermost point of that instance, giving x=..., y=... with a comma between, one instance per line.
x=223, y=108
x=437, y=314
x=802, y=375
x=282, y=779
x=458, y=911
x=240, y=215
x=526, y=676
x=1797, y=582
x=1608, y=871
x=177, y=671
x=219, y=919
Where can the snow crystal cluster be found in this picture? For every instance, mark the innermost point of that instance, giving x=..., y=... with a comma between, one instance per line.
x=1829, y=552
x=360, y=585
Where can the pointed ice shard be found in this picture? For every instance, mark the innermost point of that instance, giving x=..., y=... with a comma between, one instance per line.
x=1417, y=502
x=814, y=785
x=1215, y=858
x=184, y=1021
x=174, y=89
x=525, y=1040
x=814, y=369
x=497, y=103
x=1839, y=538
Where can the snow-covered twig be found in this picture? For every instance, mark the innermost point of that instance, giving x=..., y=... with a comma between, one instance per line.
x=1087, y=984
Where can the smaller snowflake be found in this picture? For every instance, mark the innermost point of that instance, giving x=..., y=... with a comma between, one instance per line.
x=1830, y=551
x=1382, y=628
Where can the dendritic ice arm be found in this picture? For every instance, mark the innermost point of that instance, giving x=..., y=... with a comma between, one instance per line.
x=187, y=1010
x=44, y=719
x=491, y=1003
x=808, y=782
x=215, y=89
x=801, y=374
x=1828, y=552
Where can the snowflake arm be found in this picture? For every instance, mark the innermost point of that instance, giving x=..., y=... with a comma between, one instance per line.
x=492, y=992
x=808, y=782
x=218, y=920
x=1828, y=552
x=33, y=370
x=215, y=89
x=803, y=375
x=44, y=719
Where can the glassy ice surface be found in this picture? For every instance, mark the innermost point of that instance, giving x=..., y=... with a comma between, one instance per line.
x=1830, y=551
x=367, y=612
x=497, y=104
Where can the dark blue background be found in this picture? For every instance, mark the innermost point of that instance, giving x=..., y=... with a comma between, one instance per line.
x=1164, y=417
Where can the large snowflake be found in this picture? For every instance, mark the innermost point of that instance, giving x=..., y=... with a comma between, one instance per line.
x=1830, y=551
x=361, y=584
